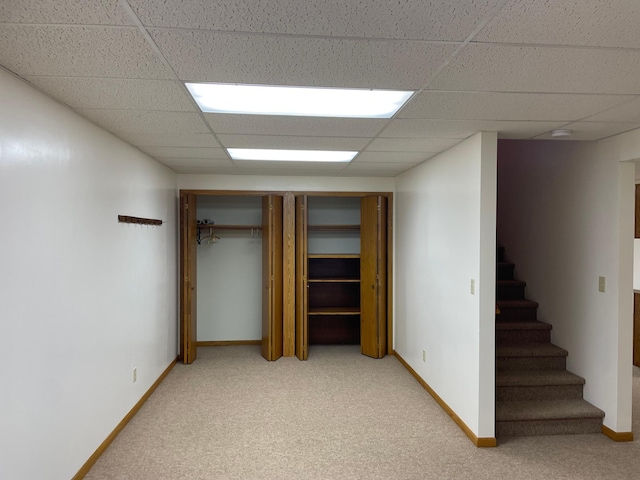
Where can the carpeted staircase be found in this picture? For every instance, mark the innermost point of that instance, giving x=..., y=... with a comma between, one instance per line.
x=535, y=394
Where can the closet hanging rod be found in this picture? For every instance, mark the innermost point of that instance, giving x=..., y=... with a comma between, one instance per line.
x=215, y=226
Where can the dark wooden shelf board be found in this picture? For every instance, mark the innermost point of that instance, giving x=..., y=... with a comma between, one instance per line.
x=334, y=280
x=333, y=228
x=334, y=311
x=334, y=255
x=214, y=226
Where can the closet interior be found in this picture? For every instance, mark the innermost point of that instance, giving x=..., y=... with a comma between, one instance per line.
x=286, y=270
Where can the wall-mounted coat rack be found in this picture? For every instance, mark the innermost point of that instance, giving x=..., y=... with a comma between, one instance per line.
x=139, y=220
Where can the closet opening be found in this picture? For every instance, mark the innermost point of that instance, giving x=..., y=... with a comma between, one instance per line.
x=231, y=272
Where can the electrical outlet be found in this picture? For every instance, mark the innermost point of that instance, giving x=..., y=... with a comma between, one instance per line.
x=135, y=375
x=473, y=286
x=602, y=284
x=424, y=355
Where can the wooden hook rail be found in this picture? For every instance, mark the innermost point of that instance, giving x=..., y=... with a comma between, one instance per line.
x=139, y=220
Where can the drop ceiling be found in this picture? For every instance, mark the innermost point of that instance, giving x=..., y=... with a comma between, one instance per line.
x=518, y=67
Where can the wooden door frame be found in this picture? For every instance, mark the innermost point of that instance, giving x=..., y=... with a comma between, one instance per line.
x=289, y=253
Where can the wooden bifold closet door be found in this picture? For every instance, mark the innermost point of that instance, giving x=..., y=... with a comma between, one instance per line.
x=373, y=276
x=302, y=285
x=188, y=277
x=272, y=279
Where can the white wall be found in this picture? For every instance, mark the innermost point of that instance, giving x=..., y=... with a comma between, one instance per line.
x=334, y=211
x=83, y=298
x=285, y=183
x=444, y=237
x=229, y=272
x=565, y=218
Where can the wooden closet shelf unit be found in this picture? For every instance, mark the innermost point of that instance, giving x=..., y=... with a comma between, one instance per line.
x=333, y=228
x=215, y=226
x=334, y=310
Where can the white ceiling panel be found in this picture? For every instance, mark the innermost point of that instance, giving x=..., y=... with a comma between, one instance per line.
x=627, y=112
x=206, y=56
x=205, y=170
x=96, y=12
x=74, y=51
x=592, y=130
x=293, y=126
x=465, y=128
x=289, y=168
x=507, y=106
x=413, y=19
x=611, y=23
x=411, y=144
x=198, y=162
x=291, y=142
x=136, y=121
x=484, y=67
x=117, y=93
x=392, y=157
x=186, y=152
x=172, y=140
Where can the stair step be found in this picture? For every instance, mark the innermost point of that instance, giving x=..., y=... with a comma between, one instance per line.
x=504, y=271
x=530, y=356
x=538, y=385
x=510, y=289
x=517, y=310
x=547, y=417
x=521, y=332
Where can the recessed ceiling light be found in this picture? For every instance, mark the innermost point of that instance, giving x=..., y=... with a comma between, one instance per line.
x=291, y=155
x=561, y=132
x=297, y=101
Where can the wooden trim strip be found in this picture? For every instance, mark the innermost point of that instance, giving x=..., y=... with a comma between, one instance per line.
x=226, y=343
x=617, y=436
x=123, y=423
x=478, y=442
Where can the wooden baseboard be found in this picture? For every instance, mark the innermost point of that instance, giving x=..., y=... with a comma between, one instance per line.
x=225, y=343
x=478, y=442
x=617, y=436
x=104, y=445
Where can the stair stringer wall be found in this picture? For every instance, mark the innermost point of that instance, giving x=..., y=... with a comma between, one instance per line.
x=444, y=237
x=563, y=217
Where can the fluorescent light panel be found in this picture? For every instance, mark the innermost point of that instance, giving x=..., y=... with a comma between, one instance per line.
x=297, y=101
x=291, y=155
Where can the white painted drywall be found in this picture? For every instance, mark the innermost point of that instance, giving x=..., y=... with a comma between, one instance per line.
x=83, y=299
x=285, y=183
x=444, y=236
x=565, y=218
x=334, y=211
x=229, y=286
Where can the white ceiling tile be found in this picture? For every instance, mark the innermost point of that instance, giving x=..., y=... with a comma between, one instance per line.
x=627, y=112
x=465, y=128
x=392, y=157
x=289, y=168
x=613, y=23
x=507, y=106
x=95, y=12
x=185, y=152
x=79, y=52
x=592, y=130
x=198, y=162
x=205, y=170
x=135, y=121
x=291, y=142
x=485, y=67
x=287, y=126
x=171, y=140
x=413, y=19
x=411, y=144
x=206, y=56
x=117, y=93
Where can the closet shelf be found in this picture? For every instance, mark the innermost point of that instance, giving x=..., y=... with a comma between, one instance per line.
x=333, y=228
x=333, y=255
x=335, y=280
x=334, y=311
x=215, y=226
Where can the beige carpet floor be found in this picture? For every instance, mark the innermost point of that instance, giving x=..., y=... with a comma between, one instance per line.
x=340, y=415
